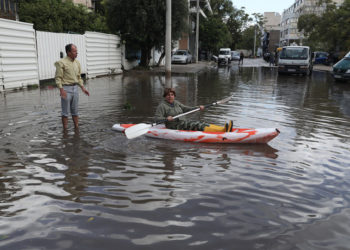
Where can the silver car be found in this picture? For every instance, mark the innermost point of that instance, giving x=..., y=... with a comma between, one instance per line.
x=235, y=55
x=181, y=56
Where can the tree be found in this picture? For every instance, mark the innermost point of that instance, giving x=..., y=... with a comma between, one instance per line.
x=60, y=16
x=252, y=33
x=236, y=22
x=141, y=23
x=224, y=27
x=329, y=31
x=214, y=34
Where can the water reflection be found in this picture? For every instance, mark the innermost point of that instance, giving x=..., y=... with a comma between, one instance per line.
x=96, y=188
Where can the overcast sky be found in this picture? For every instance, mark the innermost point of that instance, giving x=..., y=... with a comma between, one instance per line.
x=261, y=6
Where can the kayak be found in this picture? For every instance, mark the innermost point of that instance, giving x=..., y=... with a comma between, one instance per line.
x=237, y=135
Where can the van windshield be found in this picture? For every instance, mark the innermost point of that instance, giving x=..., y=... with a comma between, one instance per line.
x=294, y=53
x=224, y=52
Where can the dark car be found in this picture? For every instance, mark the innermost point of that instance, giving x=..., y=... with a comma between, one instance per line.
x=320, y=57
x=341, y=70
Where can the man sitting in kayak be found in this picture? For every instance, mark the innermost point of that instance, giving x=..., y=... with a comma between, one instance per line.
x=169, y=108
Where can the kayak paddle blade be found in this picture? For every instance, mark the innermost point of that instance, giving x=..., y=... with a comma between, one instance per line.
x=137, y=130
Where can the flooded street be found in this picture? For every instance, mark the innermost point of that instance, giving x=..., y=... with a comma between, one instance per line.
x=97, y=190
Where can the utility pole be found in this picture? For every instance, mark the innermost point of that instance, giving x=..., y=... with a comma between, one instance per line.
x=254, y=41
x=168, y=40
x=197, y=32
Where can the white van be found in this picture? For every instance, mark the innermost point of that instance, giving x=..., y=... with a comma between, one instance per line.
x=224, y=56
x=295, y=60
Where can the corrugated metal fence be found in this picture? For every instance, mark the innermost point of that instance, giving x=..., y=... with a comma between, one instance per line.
x=103, y=52
x=51, y=45
x=18, y=58
x=27, y=56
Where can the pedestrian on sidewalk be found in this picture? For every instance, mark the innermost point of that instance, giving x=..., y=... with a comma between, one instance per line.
x=68, y=78
x=241, y=57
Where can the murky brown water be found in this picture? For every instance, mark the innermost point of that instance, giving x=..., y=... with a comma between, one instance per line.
x=98, y=190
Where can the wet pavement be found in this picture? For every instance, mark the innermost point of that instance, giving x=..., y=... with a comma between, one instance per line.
x=194, y=68
x=97, y=190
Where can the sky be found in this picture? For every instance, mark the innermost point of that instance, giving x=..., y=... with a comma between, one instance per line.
x=261, y=6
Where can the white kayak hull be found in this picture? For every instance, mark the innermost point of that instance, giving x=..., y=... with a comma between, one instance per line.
x=237, y=135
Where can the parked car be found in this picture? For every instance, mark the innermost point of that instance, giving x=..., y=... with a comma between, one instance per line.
x=320, y=57
x=181, y=56
x=235, y=55
x=341, y=70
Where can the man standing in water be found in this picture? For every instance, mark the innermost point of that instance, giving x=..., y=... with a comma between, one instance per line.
x=68, y=77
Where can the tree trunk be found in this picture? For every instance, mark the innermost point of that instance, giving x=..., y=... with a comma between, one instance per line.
x=161, y=58
x=145, y=56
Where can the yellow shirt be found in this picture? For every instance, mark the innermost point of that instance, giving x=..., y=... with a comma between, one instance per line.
x=68, y=72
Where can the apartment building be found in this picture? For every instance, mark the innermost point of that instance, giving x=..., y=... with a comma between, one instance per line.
x=289, y=23
x=8, y=9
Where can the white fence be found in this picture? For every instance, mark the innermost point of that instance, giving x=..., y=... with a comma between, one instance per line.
x=51, y=46
x=103, y=53
x=18, y=59
x=27, y=56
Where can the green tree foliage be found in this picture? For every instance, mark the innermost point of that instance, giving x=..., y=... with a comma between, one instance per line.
x=214, y=34
x=252, y=33
x=330, y=31
x=224, y=27
x=248, y=38
x=141, y=23
x=60, y=16
x=236, y=23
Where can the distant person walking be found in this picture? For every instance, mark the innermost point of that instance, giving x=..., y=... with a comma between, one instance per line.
x=241, y=57
x=272, y=59
x=68, y=78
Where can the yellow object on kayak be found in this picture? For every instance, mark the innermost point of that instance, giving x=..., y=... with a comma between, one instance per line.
x=214, y=128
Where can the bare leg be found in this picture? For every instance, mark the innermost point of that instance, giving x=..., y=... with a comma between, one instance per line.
x=65, y=122
x=76, y=121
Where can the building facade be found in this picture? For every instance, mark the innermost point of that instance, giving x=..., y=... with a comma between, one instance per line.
x=8, y=9
x=271, y=31
x=289, y=23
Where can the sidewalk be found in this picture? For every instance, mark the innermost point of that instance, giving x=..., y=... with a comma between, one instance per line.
x=321, y=67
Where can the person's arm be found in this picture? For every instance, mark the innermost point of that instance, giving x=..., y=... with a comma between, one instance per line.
x=81, y=82
x=160, y=113
x=59, y=79
x=188, y=108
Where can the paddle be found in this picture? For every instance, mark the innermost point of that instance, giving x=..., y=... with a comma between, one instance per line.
x=142, y=128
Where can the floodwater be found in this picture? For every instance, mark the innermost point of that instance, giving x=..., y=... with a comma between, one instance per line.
x=98, y=190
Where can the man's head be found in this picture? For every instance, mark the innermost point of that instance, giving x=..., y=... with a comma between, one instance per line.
x=71, y=51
